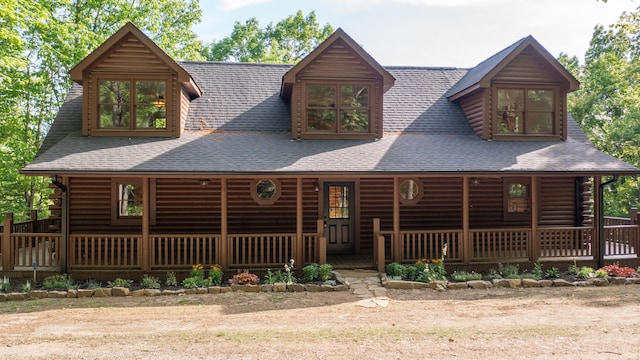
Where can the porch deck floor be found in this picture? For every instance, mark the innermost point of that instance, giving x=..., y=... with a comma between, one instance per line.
x=351, y=261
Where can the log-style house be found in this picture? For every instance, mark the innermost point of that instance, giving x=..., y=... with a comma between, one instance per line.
x=159, y=164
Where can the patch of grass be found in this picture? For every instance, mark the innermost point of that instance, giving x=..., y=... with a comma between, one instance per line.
x=465, y=276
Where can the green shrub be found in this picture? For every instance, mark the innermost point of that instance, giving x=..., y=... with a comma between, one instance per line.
x=396, y=270
x=411, y=272
x=310, y=272
x=120, y=283
x=215, y=275
x=324, y=271
x=4, y=284
x=601, y=273
x=509, y=271
x=573, y=269
x=433, y=271
x=150, y=282
x=58, y=282
x=465, y=276
x=274, y=277
x=26, y=287
x=171, y=279
x=537, y=270
x=196, y=278
x=553, y=273
x=585, y=272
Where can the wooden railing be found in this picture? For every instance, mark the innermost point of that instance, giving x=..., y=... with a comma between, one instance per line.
x=621, y=240
x=183, y=251
x=260, y=250
x=428, y=245
x=310, y=248
x=566, y=241
x=105, y=251
x=40, y=249
x=500, y=244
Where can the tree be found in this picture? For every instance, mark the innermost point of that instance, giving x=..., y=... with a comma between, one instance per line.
x=40, y=41
x=288, y=41
x=607, y=106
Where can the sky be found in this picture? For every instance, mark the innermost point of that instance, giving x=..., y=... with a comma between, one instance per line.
x=450, y=33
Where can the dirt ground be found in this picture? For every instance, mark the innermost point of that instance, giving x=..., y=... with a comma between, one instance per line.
x=558, y=323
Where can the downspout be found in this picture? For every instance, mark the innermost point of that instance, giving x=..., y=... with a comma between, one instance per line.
x=63, y=223
x=601, y=240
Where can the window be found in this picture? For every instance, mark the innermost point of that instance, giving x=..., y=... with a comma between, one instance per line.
x=126, y=202
x=338, y=202
x=338, y=108
x=410, y=191
x=526, y=111
x=517, y=198
x=265, y=191
x=132, y=104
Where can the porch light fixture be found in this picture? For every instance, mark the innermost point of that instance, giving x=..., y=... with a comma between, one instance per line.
x=159, y=102
x=475, y=181
x=204, y=182
x=316, y=188
x=57, y=181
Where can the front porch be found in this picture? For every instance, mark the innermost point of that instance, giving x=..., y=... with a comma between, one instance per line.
x=24, y=245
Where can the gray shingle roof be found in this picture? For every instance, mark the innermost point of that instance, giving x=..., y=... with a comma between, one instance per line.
x=424, y=132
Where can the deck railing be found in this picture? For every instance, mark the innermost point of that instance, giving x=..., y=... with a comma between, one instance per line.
x=260, y=250
x=494, y=244
x=566, y=241
x=183, y=251
x=621, y=240
x=105, y=251
x=418, y=245
x=40, y=249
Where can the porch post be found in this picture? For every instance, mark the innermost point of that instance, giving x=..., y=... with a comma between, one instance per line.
x=467, y=246
x=222, y=255
x=7, y=252
x=535, y=240
x=146, y=253
x=322, y=243
x=64, y=231
x=595, y=240
x=298, y=247
x=633, y=219
x=396, y=242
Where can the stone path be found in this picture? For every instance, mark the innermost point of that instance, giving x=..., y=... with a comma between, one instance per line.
x=366, y=285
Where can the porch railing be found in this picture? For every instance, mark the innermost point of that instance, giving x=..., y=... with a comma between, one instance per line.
x=566, y=241
x=489, y=244
x=105, y=251
x=40, y=249
x=261, y=250
x=418, y=245
x=180, y=251
x=621, y=240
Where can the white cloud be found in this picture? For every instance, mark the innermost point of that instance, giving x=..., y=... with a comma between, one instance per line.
x=231, y=5
x=449, y=3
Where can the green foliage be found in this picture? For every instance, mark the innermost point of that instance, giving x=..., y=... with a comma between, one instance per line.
x=324, y=271
x=607, y=106
x=58, y=282
x=508, y=271
x=585, y=272
x=171, y=279
x=553, y=273
x=573, y=269
x=5, y=284
x=537, y=270
x=395, y=270
x=149, y=282
x=196, y=278
x=465, y=276
x=215, y=275
x=274, y=277
x=40, y=41
x=26, y=287
x=120, y=283
x=310, y=272
x=288, y=41
x=601, y=273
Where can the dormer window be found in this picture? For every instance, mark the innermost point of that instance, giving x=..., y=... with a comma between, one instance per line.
x=132, y=104
x=338, y=108
x=526, y=110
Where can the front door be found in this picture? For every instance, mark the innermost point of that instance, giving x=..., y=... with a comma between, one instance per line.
x=339, y=217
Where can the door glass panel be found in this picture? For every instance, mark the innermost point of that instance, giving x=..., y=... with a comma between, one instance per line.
x=338, y=202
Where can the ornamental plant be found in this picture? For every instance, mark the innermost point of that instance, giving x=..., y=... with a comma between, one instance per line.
x=324, y=271
x=120, y=283
x=150, y=282
x=288, y=272
x=244, y=278
x=619, y=271
x=196, y=278
x=310, y=272
x=215, y=274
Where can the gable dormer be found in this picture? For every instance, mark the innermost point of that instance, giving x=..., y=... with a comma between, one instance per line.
x=519, y=93
x=336, y=92
x=133, y=88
